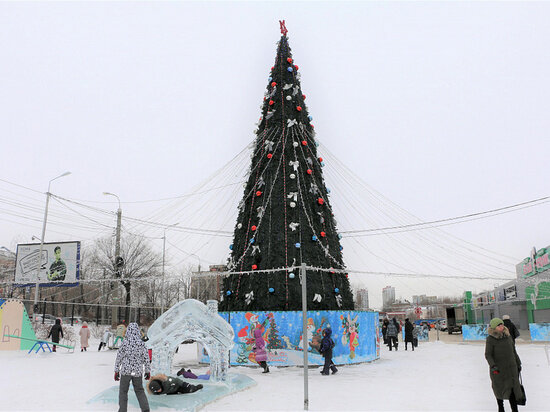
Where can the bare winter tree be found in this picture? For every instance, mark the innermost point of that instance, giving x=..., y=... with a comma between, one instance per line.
x=140, y=262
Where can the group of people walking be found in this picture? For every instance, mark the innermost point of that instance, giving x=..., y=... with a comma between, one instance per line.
x=391, y=330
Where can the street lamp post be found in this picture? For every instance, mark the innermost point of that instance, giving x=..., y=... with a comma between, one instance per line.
x=117, y=253
x=163, y=259
x=39, y=259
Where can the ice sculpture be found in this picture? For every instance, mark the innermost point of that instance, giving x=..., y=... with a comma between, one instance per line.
x=191, y=319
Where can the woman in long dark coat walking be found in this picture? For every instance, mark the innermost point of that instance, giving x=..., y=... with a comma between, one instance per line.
x=55, y=331
x=409, y=333
x=504, y=364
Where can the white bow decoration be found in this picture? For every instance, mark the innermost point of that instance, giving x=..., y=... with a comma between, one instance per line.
x=294, y=164
x=313, y=188
x=293, y=195
x=290, y=123
x=317, y=298
x=255, y=250
x=294, y=226
x=309, y=161
x=261, y=182
x=269, y=145
x=269, y=115
x=272, y=92
x=260, y=211
x=339, y=300
x=295, y=90
x=249, y=297
x=287, y=86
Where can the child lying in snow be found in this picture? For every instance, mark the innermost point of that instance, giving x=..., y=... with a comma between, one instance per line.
x=162, y=384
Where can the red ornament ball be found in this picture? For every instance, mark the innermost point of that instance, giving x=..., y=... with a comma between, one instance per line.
x=304, y=143
x=309, y=171
x=323, y=234
x=258, y=193
x=320, y=201
x=271, y=102
x=320, y=159
x=313, y=127
x=273, y=84
x=253, y=228
x=296, y=67
x=299, y=108
x=272, y=67
x=254, y=267
x=269, y=155
x=304, y=96
x=289, y=60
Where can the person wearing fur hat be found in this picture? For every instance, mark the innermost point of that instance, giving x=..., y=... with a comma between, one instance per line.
x=162, y=384
x=131, y=361
x=514, y=332
x=504, y=364
x=259, y=350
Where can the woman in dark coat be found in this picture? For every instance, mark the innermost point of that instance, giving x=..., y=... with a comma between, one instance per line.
x=409, y=333
x=55, y=331
x=504, y=364
x=385, y=324
x=326, y=350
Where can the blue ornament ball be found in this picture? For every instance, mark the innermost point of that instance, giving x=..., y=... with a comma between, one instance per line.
x=310, y=118
x=291, y=275
x=289, y=69
x=328, y=190
x=322, y=164
x=228, y=293
x=336, y=290
x=270, y=78
x=316, y=144
x=314, y=238
x=341, y=247
x=339, y=236
x=297, y=245
x=252, y=240
x=271, y=290
x=230, y=247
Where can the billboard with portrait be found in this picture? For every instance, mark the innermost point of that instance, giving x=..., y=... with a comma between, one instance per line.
x=59, y=264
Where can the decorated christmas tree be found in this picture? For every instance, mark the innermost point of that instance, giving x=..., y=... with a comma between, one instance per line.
x=285, y=217
x=273, y=342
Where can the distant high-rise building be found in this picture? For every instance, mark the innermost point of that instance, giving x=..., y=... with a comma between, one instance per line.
x=388, y=296
x=362, y=299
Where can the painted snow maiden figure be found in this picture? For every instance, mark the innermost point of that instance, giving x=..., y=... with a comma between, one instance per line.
x=120, y=332
x=393, y=330
x=327, y=344
x=259, y=350
x=161, y=384
x=55, y=331
x=131, y=361
x=504, y=364
x=409, y=333
x=84, y=336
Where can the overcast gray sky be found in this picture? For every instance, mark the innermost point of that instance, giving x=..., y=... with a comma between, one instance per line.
x=442, y=107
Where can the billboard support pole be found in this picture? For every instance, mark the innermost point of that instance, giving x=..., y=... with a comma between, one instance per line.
x=39, y=259
x=304, y=333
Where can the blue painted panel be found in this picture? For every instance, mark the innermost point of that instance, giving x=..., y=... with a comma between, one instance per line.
x=540, y=331
x=474, y=332
x=355, y=334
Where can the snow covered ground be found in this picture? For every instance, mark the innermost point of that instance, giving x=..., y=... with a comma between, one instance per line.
x=437, y=376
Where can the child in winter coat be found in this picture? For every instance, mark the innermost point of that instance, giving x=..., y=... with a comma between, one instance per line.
x=105, y=339
x=259, y=350
x=84, y=336
x=162, y=384
x=55, y=331
x=131, y=360
x=326, y=350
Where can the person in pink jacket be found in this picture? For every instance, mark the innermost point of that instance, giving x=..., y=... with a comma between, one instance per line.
x=84, y=336
x=259, y=350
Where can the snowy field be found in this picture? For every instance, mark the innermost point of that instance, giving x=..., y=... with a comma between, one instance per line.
x=436, y=377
